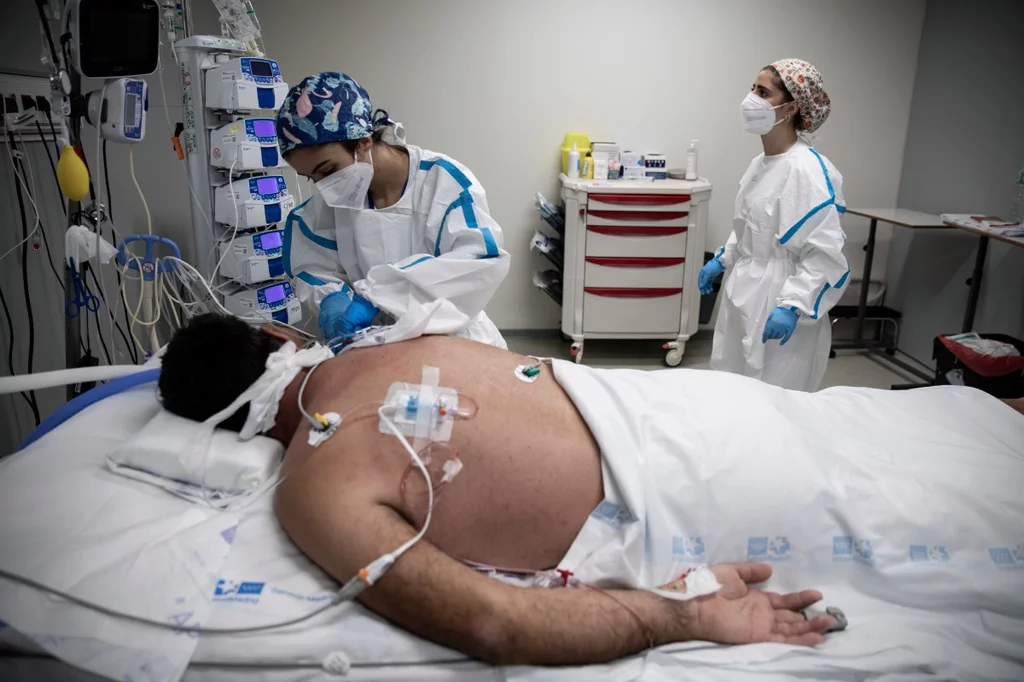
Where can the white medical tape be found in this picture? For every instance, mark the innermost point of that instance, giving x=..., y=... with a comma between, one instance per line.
x=696, y=582
x=425, y=409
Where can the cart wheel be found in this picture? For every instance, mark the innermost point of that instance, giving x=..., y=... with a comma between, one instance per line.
x=831, y=353
x=890, y=351
x=674, y=357
x=576, y=351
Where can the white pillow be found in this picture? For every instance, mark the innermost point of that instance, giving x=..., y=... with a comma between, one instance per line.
x=169, y=448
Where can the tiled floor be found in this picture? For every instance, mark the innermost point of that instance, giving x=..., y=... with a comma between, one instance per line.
x=847, y=369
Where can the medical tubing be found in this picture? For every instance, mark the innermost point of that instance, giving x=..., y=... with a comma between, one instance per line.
x=18, y=178
x=110, y=212
x=56, y=149
x=645, y=629
x=99, y=327
x=49, y=259
x=49, y=156
x=135, y=181
x=63, y=377
x=48, y=32
x=196, y=275
x=28, y=293
x=10, y=346
x=197, y=629
x=32, y=182
x=234, y=232
x=99, y=231
x=426, y=476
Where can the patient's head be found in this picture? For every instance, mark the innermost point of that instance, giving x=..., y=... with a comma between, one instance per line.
x=208, y=364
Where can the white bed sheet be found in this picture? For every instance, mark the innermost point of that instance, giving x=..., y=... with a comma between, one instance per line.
x=282, y=583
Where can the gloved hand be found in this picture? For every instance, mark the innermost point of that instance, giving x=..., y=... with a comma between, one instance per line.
x=780, y=325
x=343, y=313
x=711, y=271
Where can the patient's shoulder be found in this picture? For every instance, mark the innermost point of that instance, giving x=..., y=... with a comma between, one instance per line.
x=348, y=470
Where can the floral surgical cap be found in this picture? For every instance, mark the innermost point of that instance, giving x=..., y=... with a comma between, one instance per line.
x=805, y=84
x=326, y=107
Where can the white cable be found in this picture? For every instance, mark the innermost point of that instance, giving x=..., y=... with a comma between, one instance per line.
x=234, y=232
x=99, y=149
x=112, y=314
x=135, y=181
x=338, y=598
x=426, y=475
x=196, y=276
x=298, y=185
x=133, y=315
x=31, y=199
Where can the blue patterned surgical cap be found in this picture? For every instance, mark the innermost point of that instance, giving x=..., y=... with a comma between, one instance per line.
x=326, y=107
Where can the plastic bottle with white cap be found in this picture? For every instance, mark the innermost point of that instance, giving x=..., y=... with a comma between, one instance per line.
x=574, y=162
x=691, y=160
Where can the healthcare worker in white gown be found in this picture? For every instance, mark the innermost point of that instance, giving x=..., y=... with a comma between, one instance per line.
x=783, y=263
x=392, y=228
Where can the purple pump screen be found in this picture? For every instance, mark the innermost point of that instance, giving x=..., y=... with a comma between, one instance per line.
x=270, y=240
x=267, y=185
x=274, y=294
x=263, y=128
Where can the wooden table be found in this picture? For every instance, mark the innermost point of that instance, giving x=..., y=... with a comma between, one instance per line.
x=979, y=267
x=900, y=217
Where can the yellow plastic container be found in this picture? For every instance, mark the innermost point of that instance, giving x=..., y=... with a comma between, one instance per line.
x=582, y=141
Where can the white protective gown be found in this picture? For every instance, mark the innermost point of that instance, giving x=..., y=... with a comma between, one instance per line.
x=433, y=260
x=786, y=249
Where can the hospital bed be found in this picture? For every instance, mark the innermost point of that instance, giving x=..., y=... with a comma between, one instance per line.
x=69, y=522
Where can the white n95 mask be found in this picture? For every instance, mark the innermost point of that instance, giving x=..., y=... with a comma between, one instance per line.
x=347, y=187
x=757, y=115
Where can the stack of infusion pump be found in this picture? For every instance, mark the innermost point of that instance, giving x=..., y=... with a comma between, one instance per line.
x=253, y=201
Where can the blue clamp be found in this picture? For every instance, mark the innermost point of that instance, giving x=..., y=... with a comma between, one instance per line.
x=147, y=265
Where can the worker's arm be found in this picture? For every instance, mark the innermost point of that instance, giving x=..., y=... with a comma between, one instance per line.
x=462, y=264
x=726, y=254
x=811, y=206
x=436, y=597
x=311, y=253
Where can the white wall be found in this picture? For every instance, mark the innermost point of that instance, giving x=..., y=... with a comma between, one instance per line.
x=965, y=145
x=497, y=84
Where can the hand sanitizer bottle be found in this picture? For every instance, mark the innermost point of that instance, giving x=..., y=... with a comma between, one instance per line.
x=691, y=160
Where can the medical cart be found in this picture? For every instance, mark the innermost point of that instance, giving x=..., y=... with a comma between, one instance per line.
x=633, y=249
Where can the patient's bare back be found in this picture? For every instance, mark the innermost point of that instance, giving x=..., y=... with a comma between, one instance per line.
x=531, y=470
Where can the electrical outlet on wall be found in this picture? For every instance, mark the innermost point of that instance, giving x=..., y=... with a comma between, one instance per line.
x=25, y=101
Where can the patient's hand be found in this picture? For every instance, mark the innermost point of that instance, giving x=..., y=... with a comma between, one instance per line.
x=739, y=614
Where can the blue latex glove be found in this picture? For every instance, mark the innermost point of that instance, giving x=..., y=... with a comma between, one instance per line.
x=780, y=325
x=711, y=271
x=343, y=313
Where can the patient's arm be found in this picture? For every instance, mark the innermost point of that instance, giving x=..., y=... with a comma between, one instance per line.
x=1015, y=403
x=436, y=597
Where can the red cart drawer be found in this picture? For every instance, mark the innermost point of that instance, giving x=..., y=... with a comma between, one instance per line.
x=653, y=310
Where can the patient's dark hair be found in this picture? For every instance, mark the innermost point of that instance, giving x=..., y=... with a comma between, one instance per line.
x=208, y=364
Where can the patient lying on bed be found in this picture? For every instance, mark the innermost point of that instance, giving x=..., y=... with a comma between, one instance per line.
x=541, y=463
